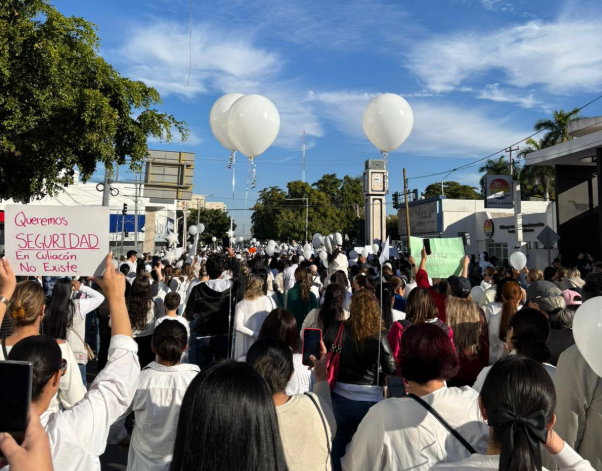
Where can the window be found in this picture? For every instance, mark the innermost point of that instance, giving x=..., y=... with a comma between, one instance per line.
x=498, y=250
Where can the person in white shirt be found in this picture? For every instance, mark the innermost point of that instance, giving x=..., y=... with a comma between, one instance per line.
x=487, y=278
x=158, y=398
x=130, y=261
x=400, y=433
x=250, y=314
x=25, y=312
x=330, y=311
x=527, y=336
x=78, y=436
x=289, y=273
x=65, y=316
x=171, y=304
x=518, y=401
x=306, y=421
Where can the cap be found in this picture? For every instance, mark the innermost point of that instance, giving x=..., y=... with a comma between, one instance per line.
x=542, y=289
x=460, y=286
x=571, y=298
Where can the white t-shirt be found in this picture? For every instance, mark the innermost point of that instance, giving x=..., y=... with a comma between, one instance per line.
x=248, y=318
x=400, y=434
x=493, y=314
x=157, y=405
x=302, y=379
x=179, y=319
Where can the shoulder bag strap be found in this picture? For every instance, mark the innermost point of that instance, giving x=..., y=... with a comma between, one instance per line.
x=323, y=424
x=443, y=422
x=77, y=335
x=4, y=348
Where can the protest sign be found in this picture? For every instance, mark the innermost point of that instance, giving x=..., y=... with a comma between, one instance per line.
x=446, y=256
x=56, y=240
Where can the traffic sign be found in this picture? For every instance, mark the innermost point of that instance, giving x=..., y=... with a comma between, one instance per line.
x=548, y=237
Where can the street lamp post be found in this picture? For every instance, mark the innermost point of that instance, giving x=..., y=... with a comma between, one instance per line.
x=306, y=199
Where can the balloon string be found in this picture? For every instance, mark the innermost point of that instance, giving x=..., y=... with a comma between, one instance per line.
x=248, y=180
x=385, y=156
x=232, y=163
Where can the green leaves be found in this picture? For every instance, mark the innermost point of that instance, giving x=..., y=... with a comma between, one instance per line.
x=62, y=106
x=453, y=190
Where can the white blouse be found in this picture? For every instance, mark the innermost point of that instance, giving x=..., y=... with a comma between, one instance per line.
x=248, y=318
x=78, y=436
x=493, y=314
x=83, y=307
x=156, y=406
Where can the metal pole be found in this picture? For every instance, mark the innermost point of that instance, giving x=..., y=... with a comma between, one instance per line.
x=306, y=211
x=136, y=215
x=106, y=191
x=518, y=217
x=185, y=228
x=405, y=194
x=122, y=230
x=598, y=177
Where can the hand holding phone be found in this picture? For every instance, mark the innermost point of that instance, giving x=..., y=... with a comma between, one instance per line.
x=427, y=246
x=15, y=398
x=312, y=339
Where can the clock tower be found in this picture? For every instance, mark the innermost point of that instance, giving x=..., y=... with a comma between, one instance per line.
x=375, y=189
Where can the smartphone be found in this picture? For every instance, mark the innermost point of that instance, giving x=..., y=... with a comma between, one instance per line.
x=427, y=246
x=226, y=242
x=311, y=345
x=15, y=397
x=395, y=386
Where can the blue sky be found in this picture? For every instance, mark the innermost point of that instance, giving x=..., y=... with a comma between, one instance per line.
x=477, y=73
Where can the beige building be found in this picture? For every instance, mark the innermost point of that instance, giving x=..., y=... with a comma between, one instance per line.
x=200, y=202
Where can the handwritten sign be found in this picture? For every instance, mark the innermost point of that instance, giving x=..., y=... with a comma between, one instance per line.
x=56, y=240
x=446, y=256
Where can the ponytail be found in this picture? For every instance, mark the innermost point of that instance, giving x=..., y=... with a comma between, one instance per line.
x=170, y=340
x=512, y=294
x=301, y=276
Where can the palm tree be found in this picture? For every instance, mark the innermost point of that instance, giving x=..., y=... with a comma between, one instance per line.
x=557, y=127
x=500, y=166
x=533, y=175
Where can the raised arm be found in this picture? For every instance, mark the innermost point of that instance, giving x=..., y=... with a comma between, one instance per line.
x=92, y=300
x=465, y=263
x=7, y=285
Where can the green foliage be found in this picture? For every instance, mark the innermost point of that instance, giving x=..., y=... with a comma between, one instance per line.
x=453, y=190
x=392, y=227
x=557, y=128
x=216, y=221
x=501, y=166
x=62, y=106
x=535, y=180
x=333, y=206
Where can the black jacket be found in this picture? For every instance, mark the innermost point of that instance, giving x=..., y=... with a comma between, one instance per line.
x=360, y=366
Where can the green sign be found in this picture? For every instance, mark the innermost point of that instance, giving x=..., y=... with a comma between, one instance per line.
x=445, y=259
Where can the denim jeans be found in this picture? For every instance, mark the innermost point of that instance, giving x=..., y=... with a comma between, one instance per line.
x=208, y=350
x=82, y=371
x=348, y=414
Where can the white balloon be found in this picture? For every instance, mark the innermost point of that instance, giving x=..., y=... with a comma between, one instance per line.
x=253, y=124
x=365, y=253
x=317, y=243
x=518, y=260
x=338, y=238
x=477, y=293
x=214, y=238
x=270, y=250
x=201, y=228
x=323, y=256
x=328, y=244
x=388, y=121
x=171, y=239
x=307, y=253
x=218, y=118
x=375, y=248
x=241, y=238
x=353, y=255
x=307, y=247
x=271, y=243
x=193, y=230
x=170, y=256
x=317, y=235
x=301, y=258
x=253, y=240
x=587, y=330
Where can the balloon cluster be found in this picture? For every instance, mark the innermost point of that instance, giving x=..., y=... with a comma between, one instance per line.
x=248, y=124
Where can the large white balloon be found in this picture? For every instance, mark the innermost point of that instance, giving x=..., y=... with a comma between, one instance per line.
x=328, y=244
x=388, y=121
x=323, y=256
x=201, y=228
x=518, y=260
x=338, y=239
x=307, y=253
x=375, y=248
x=365, y=253
x=270, y=250
x=253, y=124
x=214, y=238
x=218, y=119
x=587, y=330
x=193, y=230
x=353, y=255
x=317, y=243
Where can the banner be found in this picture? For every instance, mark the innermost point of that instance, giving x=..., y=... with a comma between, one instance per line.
x=57, y=240
x=445, y=259
x=500, y=191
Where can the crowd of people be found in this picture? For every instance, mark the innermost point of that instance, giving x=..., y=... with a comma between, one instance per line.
x=200, y=365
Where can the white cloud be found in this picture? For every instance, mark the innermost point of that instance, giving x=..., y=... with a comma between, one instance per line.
x=563, y=57
x=493, y=92
x=440, y=129
x=497, y=5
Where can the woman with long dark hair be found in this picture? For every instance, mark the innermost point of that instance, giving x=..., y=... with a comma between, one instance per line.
x=65, y=316
x=386, y=298
x=330, y=311
x=281, y=324
x=365, y=355
x=228, y=404
x=299, y=299
x=518, y=401
x=143, y=311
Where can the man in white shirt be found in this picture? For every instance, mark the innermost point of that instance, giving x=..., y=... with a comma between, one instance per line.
x=289, y=273
x=130, y=261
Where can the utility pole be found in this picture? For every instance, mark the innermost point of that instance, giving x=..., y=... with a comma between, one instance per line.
x=106, y=190
x=123, y=213
x=518, y=217
x=407, y=203
x=185, y=222
x=136, y=214
x=303, y=162
x=306, y=205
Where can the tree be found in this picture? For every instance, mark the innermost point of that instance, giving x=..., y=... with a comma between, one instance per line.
x=501, y=166
x=62, y=107
x=392, y=227
x=453, y=190
x=535, y=180
x=557, y=128
x=216, y=221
